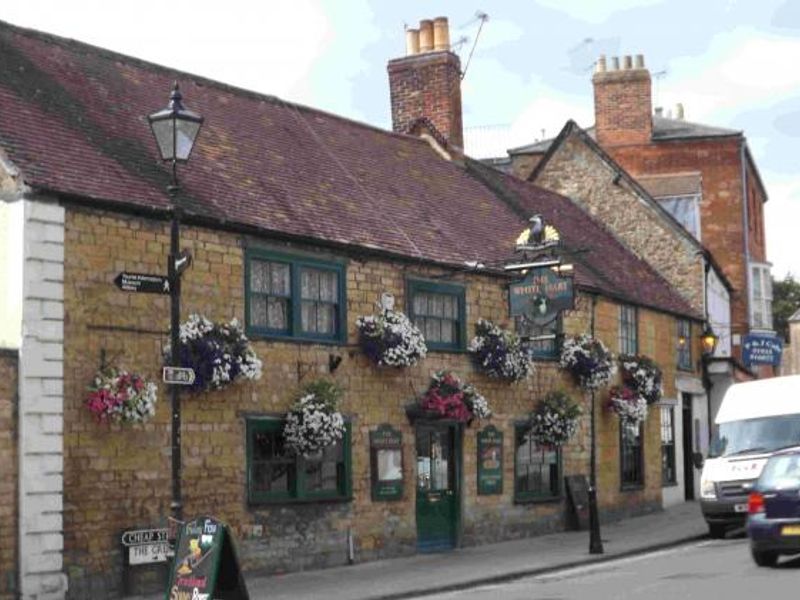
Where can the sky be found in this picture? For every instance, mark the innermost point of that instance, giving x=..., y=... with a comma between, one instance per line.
x=731, y=63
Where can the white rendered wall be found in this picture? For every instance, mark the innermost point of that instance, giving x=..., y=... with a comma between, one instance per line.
x=41, y=404
x=11, y=218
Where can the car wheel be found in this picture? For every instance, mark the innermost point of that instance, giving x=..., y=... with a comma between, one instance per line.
x=765, y=558
x=717, y=530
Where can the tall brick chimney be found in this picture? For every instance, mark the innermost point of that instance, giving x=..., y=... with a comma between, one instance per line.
x=427, y=82
x=622, y=102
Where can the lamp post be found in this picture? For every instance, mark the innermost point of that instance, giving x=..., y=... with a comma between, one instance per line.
x=175, y=130
x=708, y=344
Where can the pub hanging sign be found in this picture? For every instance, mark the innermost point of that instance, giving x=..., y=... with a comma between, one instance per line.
x=541, y=295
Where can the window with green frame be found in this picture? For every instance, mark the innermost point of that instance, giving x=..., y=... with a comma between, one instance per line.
x=543, y=342
x=294, y=297
x=685, y=344
x=439, y=310
x=537, y=469
x=276, y=475
x=628, y=330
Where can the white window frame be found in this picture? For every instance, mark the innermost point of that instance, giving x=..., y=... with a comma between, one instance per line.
x=760, y=279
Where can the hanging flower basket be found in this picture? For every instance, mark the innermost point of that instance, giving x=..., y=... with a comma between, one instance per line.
x=391, y=339
x=555, y=420
x=448, y=397
x=314, y=421
x=588, y=360
x=121, y=397
x=219, y=353
x=643, y=375
x=499, y=353
x=628, y=404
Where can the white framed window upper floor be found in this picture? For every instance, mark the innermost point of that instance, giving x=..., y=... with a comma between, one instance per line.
x=761, y=296
x=686, y=210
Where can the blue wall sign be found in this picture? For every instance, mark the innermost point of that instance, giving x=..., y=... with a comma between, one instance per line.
x=762, y=350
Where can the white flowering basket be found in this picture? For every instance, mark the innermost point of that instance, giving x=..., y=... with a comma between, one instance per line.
x=499, y=353
x=555, y=421
x=588, y=360
x=643, y=375
x=314, y=421
x=122, y=397
x=627, y=404
x=391, y=339
x=219, y=353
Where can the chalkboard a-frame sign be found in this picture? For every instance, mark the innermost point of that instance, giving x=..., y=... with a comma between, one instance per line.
x=205, y=566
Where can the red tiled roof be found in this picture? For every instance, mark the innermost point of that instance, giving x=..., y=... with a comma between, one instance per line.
x=73, y=121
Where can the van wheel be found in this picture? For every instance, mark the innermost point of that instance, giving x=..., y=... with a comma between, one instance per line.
x=765, y=559
x=717, y=530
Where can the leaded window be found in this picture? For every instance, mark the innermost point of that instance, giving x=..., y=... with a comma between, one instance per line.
x=294, y=297
x=631, y=455
x=684, y=344
x=276, y=475
x=668, y=474
x=439, y=312
x=537, y=468
x=628, y=330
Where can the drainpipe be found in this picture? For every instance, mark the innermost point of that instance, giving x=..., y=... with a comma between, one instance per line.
x=746, y=220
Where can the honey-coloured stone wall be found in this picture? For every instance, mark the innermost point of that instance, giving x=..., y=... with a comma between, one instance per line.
x=118, y=477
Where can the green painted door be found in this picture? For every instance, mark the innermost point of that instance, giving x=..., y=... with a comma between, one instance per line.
x=438, y=501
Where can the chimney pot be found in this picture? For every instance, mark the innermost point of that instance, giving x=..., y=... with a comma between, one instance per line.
x=679, y=111
x=426, y=35
x=600, y=67
x=412, y=42
x=639, y=62
x=626, y=62
x=659, y=111
x=441, y=34
x=614, y=63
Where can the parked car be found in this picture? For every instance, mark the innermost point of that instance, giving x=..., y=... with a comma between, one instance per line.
x=755, y=419
x=773, y=509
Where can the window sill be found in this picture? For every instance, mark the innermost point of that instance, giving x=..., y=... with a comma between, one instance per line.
x=273, y=337
x=257, y=504
x=538, y=499
x=632, y=487
x=446, y=349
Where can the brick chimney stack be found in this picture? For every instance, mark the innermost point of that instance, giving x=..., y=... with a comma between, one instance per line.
x=427, y=82
x=622, y=102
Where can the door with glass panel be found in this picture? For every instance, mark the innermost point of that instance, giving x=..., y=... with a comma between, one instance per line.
x=438, y=493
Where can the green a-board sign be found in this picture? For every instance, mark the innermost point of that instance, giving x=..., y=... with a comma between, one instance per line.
x=386, y=457
x=490, y=461
x=205, y=566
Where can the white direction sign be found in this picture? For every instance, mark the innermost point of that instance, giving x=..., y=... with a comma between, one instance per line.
x=146, y=546
x=178, y=375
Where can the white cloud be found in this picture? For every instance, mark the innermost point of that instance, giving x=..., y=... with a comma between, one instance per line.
x=782, y=215
x=594, y=11
x=741, y=70
x=269, y=47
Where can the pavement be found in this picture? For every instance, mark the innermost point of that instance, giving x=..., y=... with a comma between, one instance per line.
x=463, y=568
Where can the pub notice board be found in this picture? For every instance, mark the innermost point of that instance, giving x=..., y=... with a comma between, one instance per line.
x=205, y=566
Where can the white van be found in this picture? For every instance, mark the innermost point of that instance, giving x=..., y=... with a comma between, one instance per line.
x=755, y=419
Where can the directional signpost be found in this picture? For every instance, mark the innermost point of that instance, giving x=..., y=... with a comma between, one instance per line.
x=178, y=375
x=142, y=282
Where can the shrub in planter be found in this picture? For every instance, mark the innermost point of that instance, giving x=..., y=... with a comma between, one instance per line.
x=628, y=404
x=448, y=397
x=391, y=339
x=219, y=353
x=555, y=420
x=314, y=421
x=122, y=397
x=588, y=360
x=643, y=375
x=499, y=353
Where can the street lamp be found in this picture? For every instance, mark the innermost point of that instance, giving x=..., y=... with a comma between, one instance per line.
x=175, y=130
x=708, y=344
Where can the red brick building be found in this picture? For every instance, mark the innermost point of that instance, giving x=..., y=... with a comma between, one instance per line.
x=704, y=176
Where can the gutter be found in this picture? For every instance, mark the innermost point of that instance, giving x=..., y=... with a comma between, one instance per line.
x=746, y=222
